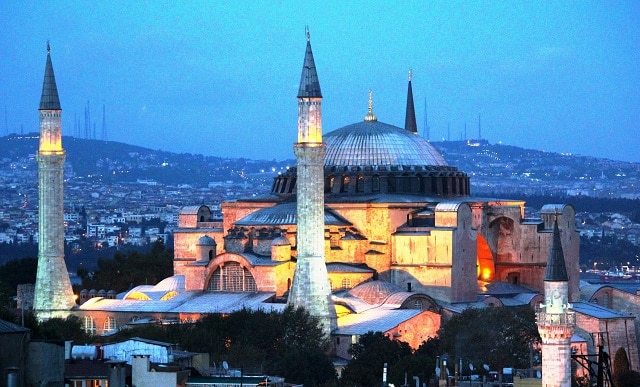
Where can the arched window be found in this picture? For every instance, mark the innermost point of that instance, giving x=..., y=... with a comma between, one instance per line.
x=110, y=325
x=345, y=184
x=391, y=184
x=375, y=183
x=360, y=184
x=417, y=304
x=89, y=325
x=328, y=188
x=232, y=278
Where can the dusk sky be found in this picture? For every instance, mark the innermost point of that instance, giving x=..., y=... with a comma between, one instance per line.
x=221, y=77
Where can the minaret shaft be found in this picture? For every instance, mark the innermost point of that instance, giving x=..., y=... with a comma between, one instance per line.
x=555, y=321
x=53, y=293
x=310, y=288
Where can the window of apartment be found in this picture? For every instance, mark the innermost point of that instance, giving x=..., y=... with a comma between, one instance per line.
x=346, y=283
x=89, y=325
x=110, y=325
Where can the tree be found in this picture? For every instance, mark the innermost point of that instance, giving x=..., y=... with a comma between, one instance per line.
x=14, y=273
x=370, y=354
x=623, y=376
x=499, y=337
x=299, y=345
x=131, y=268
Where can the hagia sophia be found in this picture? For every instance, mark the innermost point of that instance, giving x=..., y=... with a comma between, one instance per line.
x=371, y=231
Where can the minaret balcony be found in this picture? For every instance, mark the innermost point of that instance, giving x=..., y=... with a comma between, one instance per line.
x=559, y=319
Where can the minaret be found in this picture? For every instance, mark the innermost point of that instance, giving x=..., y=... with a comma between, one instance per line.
x=310, y=288
x=53, y=294
x=555, y=321
x=410, y=116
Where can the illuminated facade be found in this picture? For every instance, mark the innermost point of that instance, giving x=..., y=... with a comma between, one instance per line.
x=371, y=213
x=53, y=295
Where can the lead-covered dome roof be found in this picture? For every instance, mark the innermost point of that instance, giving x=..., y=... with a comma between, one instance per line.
x=376, y=143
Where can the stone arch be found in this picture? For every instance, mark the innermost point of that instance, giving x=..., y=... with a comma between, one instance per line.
x=485, y=262
x=501, y=230
x=231, y=272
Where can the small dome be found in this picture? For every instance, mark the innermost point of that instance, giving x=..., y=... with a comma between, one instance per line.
x=280, y=241
x=374, y=292
x=175, y=282
x=376, y=143
x=206, y=240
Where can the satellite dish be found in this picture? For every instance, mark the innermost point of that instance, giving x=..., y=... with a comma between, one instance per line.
x=486, y=367
x=471, y=366
x=225, y=365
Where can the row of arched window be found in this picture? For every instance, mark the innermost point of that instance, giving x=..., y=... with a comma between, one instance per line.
x=433, y=183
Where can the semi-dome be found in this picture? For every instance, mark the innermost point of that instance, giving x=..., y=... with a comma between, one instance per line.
x=372, y=142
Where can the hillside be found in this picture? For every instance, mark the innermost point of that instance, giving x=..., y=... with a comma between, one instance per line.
x=494, y=168
x=110, y=161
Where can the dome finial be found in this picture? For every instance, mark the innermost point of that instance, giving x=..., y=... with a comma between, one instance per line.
x=306, y=30
x=370, y=116
x=410, y=74
x=48, y=47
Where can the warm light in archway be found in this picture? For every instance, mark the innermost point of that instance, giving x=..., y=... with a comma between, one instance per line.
x=486, y=266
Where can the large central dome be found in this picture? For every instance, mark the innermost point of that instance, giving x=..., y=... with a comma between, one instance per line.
x=369, y=143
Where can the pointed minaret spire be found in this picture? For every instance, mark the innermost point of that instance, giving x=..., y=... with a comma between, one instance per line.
x=410, y=117
x=49, y=99
x=309, y=83
x=556, y=268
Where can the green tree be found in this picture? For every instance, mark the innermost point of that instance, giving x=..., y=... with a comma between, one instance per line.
x=499, y=337
x=14, y=273
x=370, y=354
x=623, y=376
x=128, y=269
x=299, y=349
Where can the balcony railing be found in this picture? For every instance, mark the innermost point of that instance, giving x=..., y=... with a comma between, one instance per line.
x=567, y=318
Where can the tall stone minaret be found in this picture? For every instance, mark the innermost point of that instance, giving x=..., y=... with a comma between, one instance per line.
x=53, y=294
x=410, y=116
x=310, y=288
x=555, y=321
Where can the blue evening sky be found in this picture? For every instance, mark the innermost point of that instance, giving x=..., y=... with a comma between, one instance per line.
x=221, y=77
